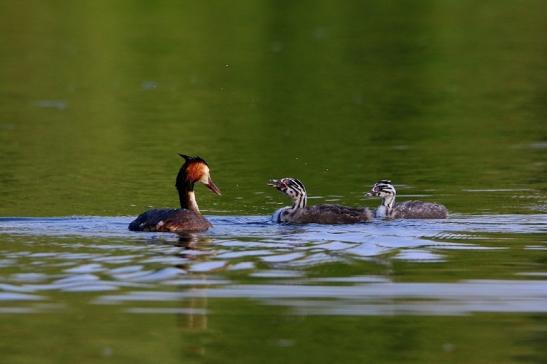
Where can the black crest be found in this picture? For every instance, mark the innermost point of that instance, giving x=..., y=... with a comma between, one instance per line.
x=190, y=159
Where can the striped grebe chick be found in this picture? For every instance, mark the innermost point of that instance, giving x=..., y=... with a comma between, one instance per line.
x=404, y=210
x=300, y=213
x=187, y=218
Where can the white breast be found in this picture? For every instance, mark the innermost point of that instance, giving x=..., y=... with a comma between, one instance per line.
x=381, y=211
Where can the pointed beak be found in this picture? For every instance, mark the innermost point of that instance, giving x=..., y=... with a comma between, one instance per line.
x=372, y=193
x=277, y=183
x=211, y=185
x=273, y=182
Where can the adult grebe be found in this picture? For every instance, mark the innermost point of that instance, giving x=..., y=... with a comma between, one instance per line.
x=187, y=218
x=300, y=213
x=405, y=210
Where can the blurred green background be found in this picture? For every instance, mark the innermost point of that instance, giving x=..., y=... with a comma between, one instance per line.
x=97, y=97
x=446, y=98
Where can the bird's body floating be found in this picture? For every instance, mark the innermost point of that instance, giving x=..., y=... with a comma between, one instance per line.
x=404, y=210
x=187, y=218
x=300, y=213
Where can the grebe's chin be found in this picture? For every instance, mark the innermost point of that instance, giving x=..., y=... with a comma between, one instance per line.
x=187, y=218
x=300, y=213
x=385, y=190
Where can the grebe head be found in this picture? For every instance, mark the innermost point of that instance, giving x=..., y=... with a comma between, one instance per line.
x=195, y=169
x=382, y=188
x=386, y=191
x=292, y=188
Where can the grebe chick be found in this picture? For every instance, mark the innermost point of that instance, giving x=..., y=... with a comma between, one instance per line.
x=187, y=218
x=300, y=213
x=405, y=210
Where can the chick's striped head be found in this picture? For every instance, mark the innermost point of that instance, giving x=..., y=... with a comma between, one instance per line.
x=382, y=188
x=292, y=187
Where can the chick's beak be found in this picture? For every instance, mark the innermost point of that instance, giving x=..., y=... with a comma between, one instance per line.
x=279, y=184
x=211, y=185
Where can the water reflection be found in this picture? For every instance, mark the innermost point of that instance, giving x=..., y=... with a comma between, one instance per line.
x=248, y=257
x=373, y=298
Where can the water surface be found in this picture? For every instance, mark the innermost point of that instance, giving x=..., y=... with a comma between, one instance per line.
x=247, y=270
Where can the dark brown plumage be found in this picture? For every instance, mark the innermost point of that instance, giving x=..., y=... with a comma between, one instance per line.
x=328, y=214
x=170, y=220
x=405, y=210
x=418, y=210
x=300, y=213
x=187, y=218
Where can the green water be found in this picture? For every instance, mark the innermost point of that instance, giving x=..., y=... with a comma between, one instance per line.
x=445, y=98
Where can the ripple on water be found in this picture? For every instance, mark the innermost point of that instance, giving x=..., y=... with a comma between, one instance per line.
x=419, y=255
x=375, y=298
x=277, y=259
x=207, y=266
x=277, y=273
x=149, y=276
x=10, y=296
x=86, y=268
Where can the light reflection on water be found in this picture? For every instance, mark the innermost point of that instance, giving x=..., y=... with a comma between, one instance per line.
x=273, y=264
x=374, y=298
